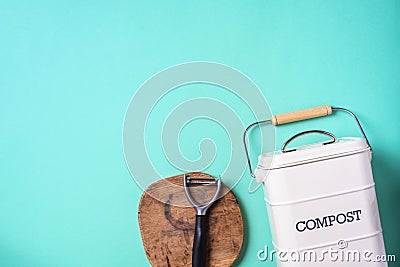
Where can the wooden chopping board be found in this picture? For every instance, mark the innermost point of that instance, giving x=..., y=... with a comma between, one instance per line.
x=168, y=230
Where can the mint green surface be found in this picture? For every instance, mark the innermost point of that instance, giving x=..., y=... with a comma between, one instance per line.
x=69, y=68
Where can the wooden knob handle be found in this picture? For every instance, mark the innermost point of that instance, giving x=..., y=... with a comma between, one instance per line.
x=301, y=115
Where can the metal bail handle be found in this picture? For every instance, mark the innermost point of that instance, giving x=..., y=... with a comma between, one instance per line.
x=333, y=139
x=298, y=116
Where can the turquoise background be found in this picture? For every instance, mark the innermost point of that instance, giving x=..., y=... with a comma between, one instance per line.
x=68, y=70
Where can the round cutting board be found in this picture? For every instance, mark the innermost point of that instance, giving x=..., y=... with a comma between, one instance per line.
x=168, y=230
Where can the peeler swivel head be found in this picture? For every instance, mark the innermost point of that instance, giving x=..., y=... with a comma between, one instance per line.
x=201, y=208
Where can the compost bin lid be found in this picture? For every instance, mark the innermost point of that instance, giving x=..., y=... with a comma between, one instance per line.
x=311, y=153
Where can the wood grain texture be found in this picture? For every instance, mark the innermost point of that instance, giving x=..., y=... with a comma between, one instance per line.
x=167, y=230
x=301, y=115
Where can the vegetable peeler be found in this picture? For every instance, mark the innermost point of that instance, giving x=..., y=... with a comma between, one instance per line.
x=199, y=252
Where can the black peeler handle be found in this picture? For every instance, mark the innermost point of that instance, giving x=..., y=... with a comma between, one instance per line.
x=199, y=252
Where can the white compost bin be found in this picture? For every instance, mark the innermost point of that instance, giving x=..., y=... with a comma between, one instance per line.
x=321, y=203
